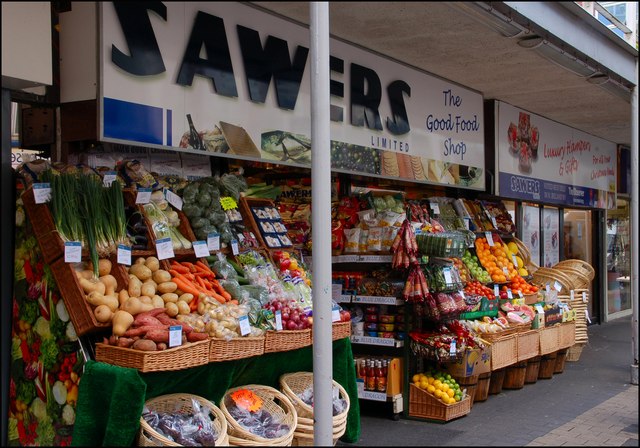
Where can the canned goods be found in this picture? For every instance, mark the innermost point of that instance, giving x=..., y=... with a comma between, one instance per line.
x=386, y=327
x=373, y=309
x=386, y=334
x=371, y=326
x=370, y=317
x=387, y=318
x=373, y=334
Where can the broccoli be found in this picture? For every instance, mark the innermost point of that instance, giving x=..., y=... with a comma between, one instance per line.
x=29, y=310
x=49, y=350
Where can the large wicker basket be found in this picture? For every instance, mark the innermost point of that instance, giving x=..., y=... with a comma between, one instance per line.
x=282, y=341
x=424, y=405
x=276, y=403
x=180, y=404
x=191, y=354
x=582, y=266
x=544, y=276
x=236, y=348
x=504, y=351
x=295, y=383
x=528, y=345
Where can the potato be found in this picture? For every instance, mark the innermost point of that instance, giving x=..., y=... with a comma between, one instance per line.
x=183, y=307
x=161, y=276
x=145, y=299
x=167, y=287
x=157, y=301
x=186, y=297
x=140, y=260
x=148, y=288
x=103, y=313
x=152, y=263
x=135, y=286
x=144, y=345
x=141, y=271
x=171, y=309
x=169, y=297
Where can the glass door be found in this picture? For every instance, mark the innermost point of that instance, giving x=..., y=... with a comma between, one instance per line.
x=579, y=244
x=618, y=261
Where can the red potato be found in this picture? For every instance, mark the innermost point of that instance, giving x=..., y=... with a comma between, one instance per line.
x=145, y=345
x=141, y=331
x=158, y=335
x=195, y=336
x=125, y=342
x=147, y=320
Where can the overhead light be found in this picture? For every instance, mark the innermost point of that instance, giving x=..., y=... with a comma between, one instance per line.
x=490, y=18
x=531, y=42
x=598, y=79
x=564, y=59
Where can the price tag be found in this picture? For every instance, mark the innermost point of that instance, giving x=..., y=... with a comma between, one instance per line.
x=278, y=320
x=73, y=251
x=494, y=222
x=467, y=223
x=506, y=272
x=548, y=288
x=447, y=276
x=201, y=249
x=164, y=248
x=462, y=294
x=557, y=286
x=539, y=309
x=221, y=256
x=234, y=247
x=520, y=294
x=335, y=314
x=435, y=207
x=514, y=261
x=245, y=328
x=213, y=242
x=173, y=199
x=143, y=196
x=228, y=203
x=452, y=348
x=41, y=193
x=240, y=237
x=586, y=314
x=108, y=178
x=124, y=254
x=496, y=290
x=489, y=236
x=584, y=297
x=336, y=291
x=175, y=335
x=571, y=293
x=509, y=294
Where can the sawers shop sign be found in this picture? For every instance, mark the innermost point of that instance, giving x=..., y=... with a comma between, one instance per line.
x=541, y=160
x=229, y=79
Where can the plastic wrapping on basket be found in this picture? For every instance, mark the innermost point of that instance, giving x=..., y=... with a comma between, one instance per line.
x=339, y=404
x=260, y=423
x=186, y=429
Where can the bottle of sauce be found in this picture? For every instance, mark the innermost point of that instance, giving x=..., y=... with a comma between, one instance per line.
x=370, y=381
x=381, y=376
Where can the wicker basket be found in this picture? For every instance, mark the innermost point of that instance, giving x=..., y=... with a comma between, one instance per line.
x=584, y=267
x=276, y=403
x=574, y=352
x=424, y=405
x=191, y=354
x=504, y=352
x=236, y=348
x=542, y=276
x=282, y=341
x=340, y=330
x=41, y=220
x=567, y=335
x=580, y=280
x=549, y=339
x=295, y=383
x=180, y=404
x=528, y=345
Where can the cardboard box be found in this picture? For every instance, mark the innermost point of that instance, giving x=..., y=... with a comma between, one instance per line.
x=489, y=304
x=552, y=316
x=394, y=377
x=474, y=362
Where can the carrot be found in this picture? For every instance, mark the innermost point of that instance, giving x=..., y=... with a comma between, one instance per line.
x=233, y=301
x=205, y=269
x=186, y=286
x=179, y=268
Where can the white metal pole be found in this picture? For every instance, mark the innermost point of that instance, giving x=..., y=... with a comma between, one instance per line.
x=321, y=225
x=634, y=231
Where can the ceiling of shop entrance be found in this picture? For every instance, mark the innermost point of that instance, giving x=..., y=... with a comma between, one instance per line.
x=439, y=39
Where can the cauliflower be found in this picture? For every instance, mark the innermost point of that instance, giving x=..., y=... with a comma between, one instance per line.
x=68, y=415
x=42, y=327
x=71, y=332
x=39, y=408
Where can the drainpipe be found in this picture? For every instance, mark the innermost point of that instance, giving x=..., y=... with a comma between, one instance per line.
x=321, y=225
x=634, y=231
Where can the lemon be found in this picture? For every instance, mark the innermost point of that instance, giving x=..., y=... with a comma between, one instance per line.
x=423, y=384
x=451, y=392
x=452, y=400
x=446, y=388
x=438, y=393
x=431, y=379
x=431, y=389
x=415, y=378
x=513, y=247
x=437, y=384
x=523, y=272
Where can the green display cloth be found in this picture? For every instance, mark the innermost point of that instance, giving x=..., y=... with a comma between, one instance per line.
x=111, y=398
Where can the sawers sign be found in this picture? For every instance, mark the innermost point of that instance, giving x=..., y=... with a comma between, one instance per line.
x=541, y=160
x=229, y=79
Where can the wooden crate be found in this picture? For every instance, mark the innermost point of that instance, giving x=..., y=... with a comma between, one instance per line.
x=504, y=351
x=285, y=340
x=41, y=220
x=528, y=344
x=424, y=405
x=549, y=339
x=567, y=334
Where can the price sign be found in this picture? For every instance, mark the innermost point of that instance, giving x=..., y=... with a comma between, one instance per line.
x=335, y=313
x=557, y=286
x=539, y=309
x=173, y=199
x=548, y=288
x=201, y=249
x=506, y=272
x=462, y=294
x=494, y=222
x=73, y=251
x=234, y=247
x=514, y=261
x=108, y=178
x=164, y=248
x=452, y=348
x=435, y=208
x=447, y=276
x=175, y=335
x=278, y=320
x=571, y=293
x=41, y=193
x=586, y=314
x=143, y=196
x=124, y=254
x=228, y=203
x=520, y=294
x=496, y=290
x=213, y=242
x=245, y=328
x=467, y=223
x=509, y=294
x=489, y=236
x=584, y=297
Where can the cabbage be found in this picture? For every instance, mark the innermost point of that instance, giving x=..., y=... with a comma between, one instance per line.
x=39, y=408
x=71, y=332
x=68, y=415
x=42, y=328
x=59, y=392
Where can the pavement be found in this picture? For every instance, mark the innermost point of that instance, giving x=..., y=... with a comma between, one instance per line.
x=590, y=403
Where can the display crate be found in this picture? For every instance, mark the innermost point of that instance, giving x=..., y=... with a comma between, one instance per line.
x=567, y=334
x=235, y=348
x=549, y=339
x=285, y=340
x=504, y=351
x=528, y=344
x=424, y=405
x=41, y=220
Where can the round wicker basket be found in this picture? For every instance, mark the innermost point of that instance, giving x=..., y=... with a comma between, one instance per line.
x=180, y=404
x=580, y=265
x=273, y=401
x=580, y=279
x=542, y=276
